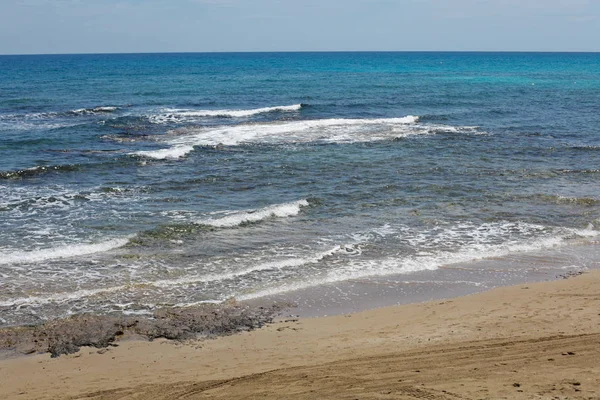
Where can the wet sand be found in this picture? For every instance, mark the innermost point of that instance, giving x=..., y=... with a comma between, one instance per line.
x=528, y=341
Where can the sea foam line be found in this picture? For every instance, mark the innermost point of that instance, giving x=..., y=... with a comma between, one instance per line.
x=334, y=130
x=171, y=153
x=272, y=265
x=174, y=115
x=357, y=269
x=236, y=218
x=61, y=252
x=95, y=110
x=59, y=297
x=166, y=283
x=54, y=114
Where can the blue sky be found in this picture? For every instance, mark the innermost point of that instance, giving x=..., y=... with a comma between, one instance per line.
x=107, y=26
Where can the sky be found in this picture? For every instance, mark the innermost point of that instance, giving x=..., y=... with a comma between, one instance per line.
x=132, y=26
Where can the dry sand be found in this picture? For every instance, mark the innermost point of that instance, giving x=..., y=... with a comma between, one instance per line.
x=534, y=341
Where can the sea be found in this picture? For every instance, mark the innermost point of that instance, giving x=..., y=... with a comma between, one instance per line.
x=131, y=182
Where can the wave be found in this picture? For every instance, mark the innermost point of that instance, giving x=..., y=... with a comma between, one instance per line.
x=584, y=201
x=220, y=220
x=129, y=137
x=38, y=170
x=30, y=116
x=57, y=197
x=171, y=153
x=177, y=115
x=94, y=110
x=54, y=114
x=336, y=130
x=268, y=266
x=58, y=297
x=576, y=171
x=49, y=120
x=166, y=283
x=585, y=147
x=482, y=246
x=237, y=218
x=557, y=199
x=66, y=251
x=35, y=125
x=360, y=269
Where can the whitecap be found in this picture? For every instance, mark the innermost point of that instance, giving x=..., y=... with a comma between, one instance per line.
x=95, y=110
x=170, y=153
x=230, y=219
x=177, y=115
x=334, y=130
x=66, y=251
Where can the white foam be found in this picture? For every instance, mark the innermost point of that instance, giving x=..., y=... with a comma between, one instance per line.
x=55, y=114
x=360, y=269
x=105, y=109
x=167, y=283
x=272, y=265
x=32, y=116
x=336, y=130
x=26, y=125
x=236, y=218
x=61, y=252
x=356, y=267
x=101, y=109
x=47, y=120
x=58, y=297
x=177, y=115
x=170, y=153
x=325, y=130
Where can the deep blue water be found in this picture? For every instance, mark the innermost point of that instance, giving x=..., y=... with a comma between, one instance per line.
x=132, y=181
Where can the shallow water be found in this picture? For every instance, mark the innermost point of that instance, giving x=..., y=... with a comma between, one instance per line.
x=130, y=182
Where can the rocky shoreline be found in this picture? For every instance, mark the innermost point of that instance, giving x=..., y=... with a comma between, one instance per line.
x=68, y=335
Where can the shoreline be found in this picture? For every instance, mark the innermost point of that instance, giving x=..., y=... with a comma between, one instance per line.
x=513, y=342
x=448, y=281
x=66, y=335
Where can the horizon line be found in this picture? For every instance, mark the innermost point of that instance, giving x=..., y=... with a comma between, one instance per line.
x=307, y=52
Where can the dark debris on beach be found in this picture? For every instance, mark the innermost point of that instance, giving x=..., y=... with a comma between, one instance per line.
x=571, y=274
x=68, y=335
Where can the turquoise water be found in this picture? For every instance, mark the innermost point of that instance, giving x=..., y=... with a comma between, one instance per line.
x=129, y=182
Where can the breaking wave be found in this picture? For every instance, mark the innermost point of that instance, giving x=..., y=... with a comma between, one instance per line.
x=336, y=130
x=481, y=248
x=236, y=218
x=95, y=110
x=54, y=114
x=167, y=283
x=38, y=170
x=485, y=241
x=50, y=119
x=66, y=251
x=218, y=219
x=179, y=115
x=171, y=153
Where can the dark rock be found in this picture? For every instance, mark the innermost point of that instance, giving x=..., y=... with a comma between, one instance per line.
x=570, y=274
x=66, y=336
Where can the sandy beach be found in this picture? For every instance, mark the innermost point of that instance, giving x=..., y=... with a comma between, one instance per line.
x=530, y=341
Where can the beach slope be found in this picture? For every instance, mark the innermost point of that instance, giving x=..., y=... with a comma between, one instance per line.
x=533, y=341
